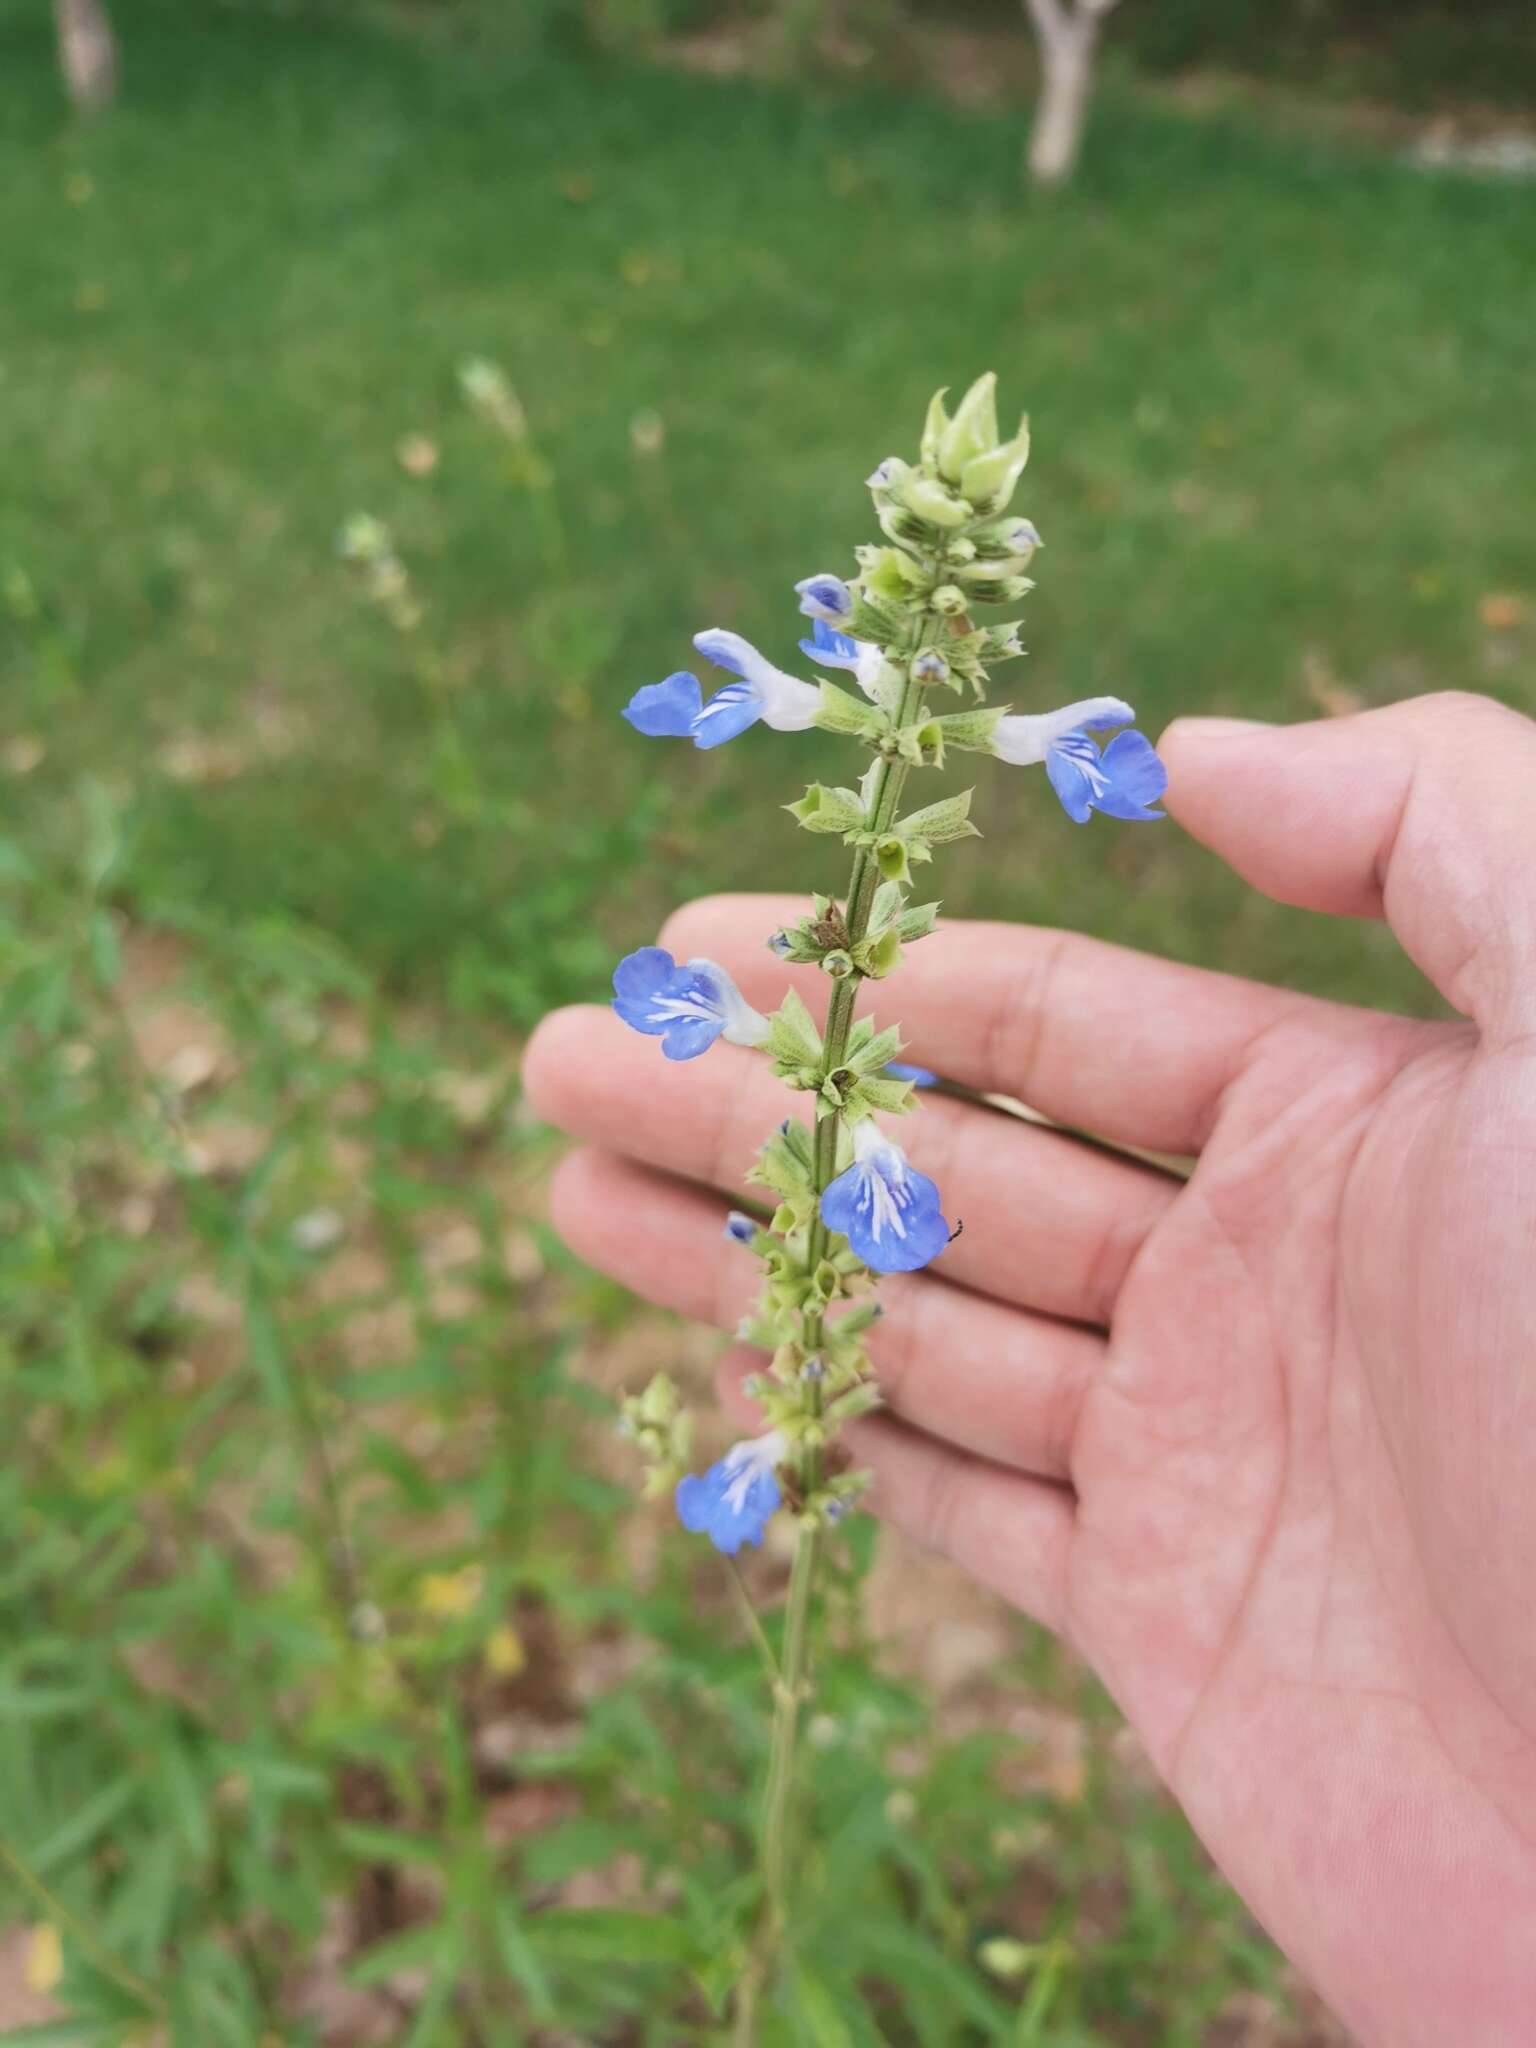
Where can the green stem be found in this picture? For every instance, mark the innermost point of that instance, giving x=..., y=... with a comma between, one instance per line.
x=750, y=1621
x=793, y=1666
x=794, y=1661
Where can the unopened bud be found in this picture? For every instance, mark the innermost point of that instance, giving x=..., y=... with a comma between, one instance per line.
x=949, y=600
x=988, y=480
x=972, y=431
x=931, y=501
x=930, y=667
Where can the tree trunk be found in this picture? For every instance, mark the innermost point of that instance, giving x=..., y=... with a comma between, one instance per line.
x=87, y=53
x=1066, y=80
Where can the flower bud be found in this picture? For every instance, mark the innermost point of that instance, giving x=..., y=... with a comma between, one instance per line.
x=972, y=431
x=898, y=524
x=949, y=600
x=999, y=569
x=825, y=597
x=838, y=964
x=931, y=501
x=887, y=475
x=889, y=573
x=988, y=480
x=930, y=667
x=960, y=549
x=1008, y=535
x=933, y=429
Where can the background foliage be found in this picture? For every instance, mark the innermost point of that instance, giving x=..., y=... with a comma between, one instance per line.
x=344, y=1694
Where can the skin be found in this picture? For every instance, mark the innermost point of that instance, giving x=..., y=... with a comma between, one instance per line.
x=1262, y=1446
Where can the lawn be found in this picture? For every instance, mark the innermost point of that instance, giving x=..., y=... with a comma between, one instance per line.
x=336, y=1665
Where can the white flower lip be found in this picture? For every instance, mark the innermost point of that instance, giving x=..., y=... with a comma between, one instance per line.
x=1025, y=740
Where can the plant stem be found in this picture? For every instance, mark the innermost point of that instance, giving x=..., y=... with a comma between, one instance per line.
x=793, y=1666
x=794, y=1660
x=751, y=1622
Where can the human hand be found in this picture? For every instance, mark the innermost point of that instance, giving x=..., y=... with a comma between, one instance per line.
x=1262, y=1446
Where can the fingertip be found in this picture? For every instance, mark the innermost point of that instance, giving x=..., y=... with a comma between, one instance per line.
x=1193, y=749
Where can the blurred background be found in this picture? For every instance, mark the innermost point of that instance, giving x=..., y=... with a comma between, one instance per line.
x=386, y=393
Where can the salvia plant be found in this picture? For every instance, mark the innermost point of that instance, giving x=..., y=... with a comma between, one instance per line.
x=845, y=1205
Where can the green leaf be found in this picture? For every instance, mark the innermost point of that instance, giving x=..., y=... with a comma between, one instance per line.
x=828, y=810
x=876, y=1051
x=937, y=824
x=86, y=1824
x=67, y=2034
x=609, y=1935
x=792, y=1034
x=972, y=731
x=389, y=1845
x=521, y=1960
x=852, y=716
x=416, y=1948
x=917, y=921
x=820, y=2012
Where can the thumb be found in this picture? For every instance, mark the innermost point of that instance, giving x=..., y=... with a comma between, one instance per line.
x=1424, y=813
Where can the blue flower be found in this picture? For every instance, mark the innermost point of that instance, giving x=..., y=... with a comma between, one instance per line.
x=733, y=1501
x=740, y=1229
x=825, y=598
x=687, y=1007
x=831, y=649
x=666, y=710
x=920, y=1077
x=676, y=708
x=763, y=692
x=1124, y=781
x=887, y=1210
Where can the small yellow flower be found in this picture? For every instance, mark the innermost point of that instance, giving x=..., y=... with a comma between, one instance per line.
x=449, y=1596
x=45, y=1958
x=504, y=1652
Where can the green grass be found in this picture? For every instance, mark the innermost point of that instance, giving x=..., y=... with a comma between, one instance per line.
x=1278, y=400
x=1279, y=396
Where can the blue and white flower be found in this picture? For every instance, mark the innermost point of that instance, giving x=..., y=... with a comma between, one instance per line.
x=830, y=649
x=825, y=597
x=1124, y=781
x=920, y=1077
x=734, y=1500
x=762, y=692
x=739, y=1227
x=887, y=1210
x=686, y=1006
x=676, y=709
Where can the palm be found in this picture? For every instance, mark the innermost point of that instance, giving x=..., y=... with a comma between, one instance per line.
x=1278, y=1560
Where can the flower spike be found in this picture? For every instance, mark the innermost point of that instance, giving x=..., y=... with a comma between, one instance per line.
x=887, y=1210
x=687, y=1007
